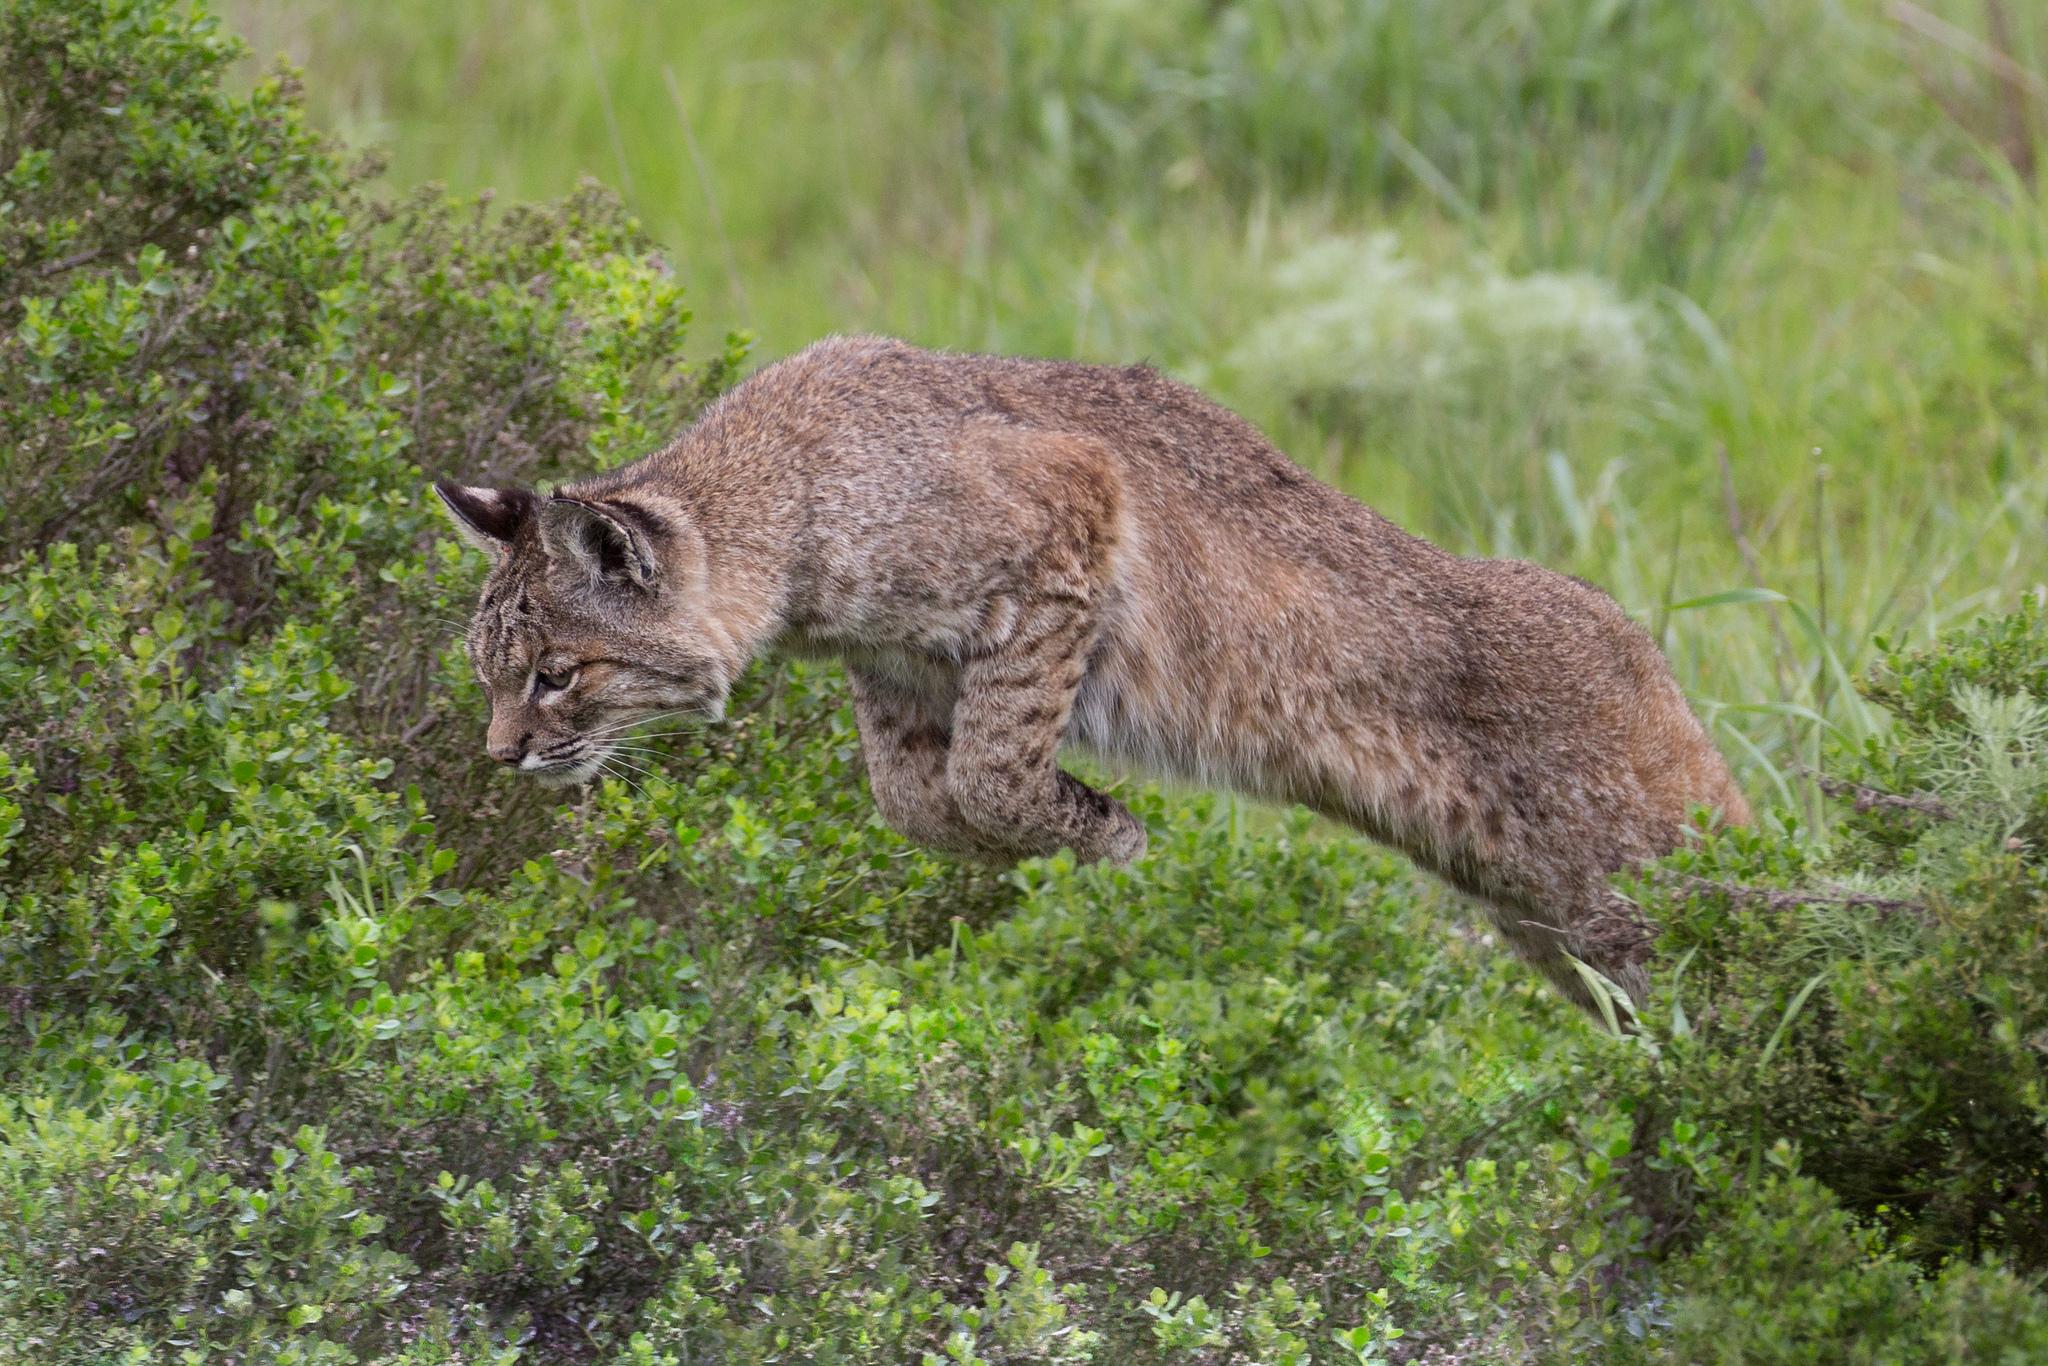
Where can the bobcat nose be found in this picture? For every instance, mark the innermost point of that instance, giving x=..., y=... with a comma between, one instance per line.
x=509, y=752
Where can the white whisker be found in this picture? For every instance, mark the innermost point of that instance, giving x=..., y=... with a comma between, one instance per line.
x=618, y=727
x=628, y=763
x=638, y=789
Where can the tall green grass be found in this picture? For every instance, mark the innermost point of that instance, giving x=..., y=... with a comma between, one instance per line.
x=1815, y=215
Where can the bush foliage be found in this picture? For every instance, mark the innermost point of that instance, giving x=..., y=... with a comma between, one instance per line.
x=322, y=1045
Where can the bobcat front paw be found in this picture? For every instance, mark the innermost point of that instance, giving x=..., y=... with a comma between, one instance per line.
x=1114, y=834
x=1070, y=815
x=1127, y=837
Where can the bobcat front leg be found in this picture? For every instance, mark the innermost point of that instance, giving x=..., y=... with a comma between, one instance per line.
x=911, y=759
x=1012, y=712
x=904, y=740
x=980, y=775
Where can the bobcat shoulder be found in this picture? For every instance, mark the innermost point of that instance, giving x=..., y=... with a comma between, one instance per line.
x=1011, y=555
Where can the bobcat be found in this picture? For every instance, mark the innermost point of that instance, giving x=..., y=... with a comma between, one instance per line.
x=1008, y=555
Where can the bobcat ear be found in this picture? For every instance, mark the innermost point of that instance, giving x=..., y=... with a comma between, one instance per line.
x=607, y=544
x=487, y=518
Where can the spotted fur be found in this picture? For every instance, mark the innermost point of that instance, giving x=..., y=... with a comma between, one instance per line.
x=1009, y=555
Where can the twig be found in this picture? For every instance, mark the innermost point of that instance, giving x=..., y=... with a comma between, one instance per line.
x=1788, y=898
x=1871, y=799
x=1619, y=933
x=64, y=263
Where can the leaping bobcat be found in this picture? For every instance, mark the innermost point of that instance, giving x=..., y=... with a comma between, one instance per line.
x=1012, y=554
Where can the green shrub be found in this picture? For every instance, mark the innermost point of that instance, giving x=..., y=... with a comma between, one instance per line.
x=1879, y=998
x=1788, y=1277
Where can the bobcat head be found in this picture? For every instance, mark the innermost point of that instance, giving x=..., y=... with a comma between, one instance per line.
x=594, y=616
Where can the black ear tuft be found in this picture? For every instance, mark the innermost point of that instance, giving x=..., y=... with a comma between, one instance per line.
x=607, y=544
x=488, y=518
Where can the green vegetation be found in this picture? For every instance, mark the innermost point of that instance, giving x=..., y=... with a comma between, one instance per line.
x=322, y=1044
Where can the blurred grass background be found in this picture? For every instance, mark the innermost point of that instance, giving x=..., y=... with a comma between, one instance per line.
x=1708, y=304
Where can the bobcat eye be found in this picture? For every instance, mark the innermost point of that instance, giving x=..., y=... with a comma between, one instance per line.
x=556, y=681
